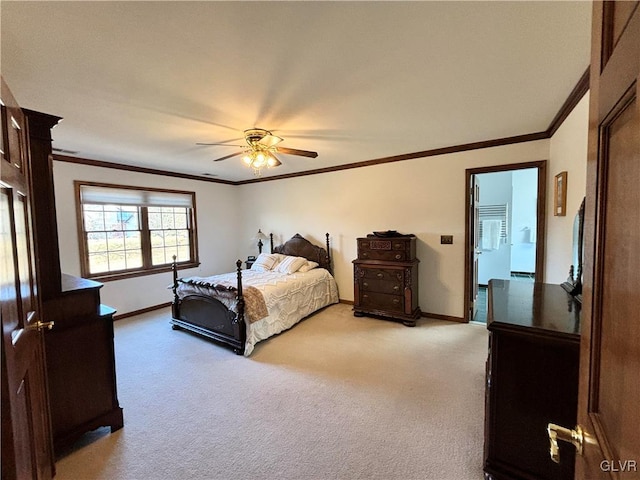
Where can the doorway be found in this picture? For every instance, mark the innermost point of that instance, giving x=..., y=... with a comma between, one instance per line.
x=505, y=229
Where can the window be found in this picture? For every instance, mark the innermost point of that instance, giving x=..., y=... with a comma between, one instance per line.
x=129, y=231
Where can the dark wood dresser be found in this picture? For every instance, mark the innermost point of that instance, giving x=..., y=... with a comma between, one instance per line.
x=531, y=379
x=386, y=278
x=79, y=350
x=80, y=360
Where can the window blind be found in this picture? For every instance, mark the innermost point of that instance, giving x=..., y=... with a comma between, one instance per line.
x=128, y=196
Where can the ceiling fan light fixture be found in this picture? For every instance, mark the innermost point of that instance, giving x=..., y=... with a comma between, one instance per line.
x=260, y=160
x=260, y=150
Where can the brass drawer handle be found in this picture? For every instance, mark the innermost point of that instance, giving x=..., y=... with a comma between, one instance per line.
x=365, y=254
x=365, y=284
x=398, y=257
x=396, y=288
x=380, y=275
x=396, y=301
x=365, y=296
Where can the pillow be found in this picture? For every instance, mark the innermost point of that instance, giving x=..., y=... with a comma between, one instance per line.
x=308, y=266
x=279, y=257
x=264, y=262
x=291, y=264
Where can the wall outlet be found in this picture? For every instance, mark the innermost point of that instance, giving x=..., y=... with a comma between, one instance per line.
x=446, y=239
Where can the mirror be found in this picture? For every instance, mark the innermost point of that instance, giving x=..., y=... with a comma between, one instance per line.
x=573, y=285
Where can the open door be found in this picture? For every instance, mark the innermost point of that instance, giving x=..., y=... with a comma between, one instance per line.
x=609, y=394
x=475, y=214
x=26, y=436
x=472, y=222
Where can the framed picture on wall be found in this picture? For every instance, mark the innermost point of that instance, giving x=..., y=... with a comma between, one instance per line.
x=560, y=195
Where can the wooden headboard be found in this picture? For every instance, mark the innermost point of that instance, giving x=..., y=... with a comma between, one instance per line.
x=298, y=246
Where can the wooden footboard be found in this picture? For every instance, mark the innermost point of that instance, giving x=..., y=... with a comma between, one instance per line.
x=208, y=317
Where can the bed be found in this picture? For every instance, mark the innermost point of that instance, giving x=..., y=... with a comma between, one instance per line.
x=241, y=308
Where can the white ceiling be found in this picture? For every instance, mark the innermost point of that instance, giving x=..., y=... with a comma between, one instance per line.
x=140, y=83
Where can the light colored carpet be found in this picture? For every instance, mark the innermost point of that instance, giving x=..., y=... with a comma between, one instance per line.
x=335, y=397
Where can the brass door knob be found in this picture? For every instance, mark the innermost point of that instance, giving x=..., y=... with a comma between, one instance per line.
x=556, y=432
x=41, y=326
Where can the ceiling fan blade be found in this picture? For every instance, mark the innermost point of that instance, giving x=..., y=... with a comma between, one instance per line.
x=228, y=156
x=276, y=162
x=221, y=144
x=293, y=151
x=269, y=141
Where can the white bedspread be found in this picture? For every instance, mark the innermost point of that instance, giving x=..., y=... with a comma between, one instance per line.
x=289, y=298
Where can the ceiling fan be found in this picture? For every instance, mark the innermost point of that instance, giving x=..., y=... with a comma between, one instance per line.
x=260, y=150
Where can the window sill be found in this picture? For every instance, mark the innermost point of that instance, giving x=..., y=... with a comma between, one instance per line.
x=109, y=277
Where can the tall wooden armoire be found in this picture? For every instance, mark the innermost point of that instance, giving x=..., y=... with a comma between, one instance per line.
x=79, y=350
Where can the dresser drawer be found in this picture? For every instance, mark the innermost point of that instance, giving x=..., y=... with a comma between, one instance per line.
x=394, y=287
x=382, y=301
x=396, y=249
x=383, y=280
x=385, y=274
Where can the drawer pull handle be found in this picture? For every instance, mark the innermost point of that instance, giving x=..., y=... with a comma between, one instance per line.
x=398, y=256
x=365, y=284
x=396, y=301
x=380, y=275
x=365, y=296
x=396, y=288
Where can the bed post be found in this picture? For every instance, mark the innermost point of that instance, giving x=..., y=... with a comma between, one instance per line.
x=242, y=327
x=328, y=253
x=176, y=299
x=271, y=236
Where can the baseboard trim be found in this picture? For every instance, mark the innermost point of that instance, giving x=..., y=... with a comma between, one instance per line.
x=437, y=316
x=449, y=318
x=141, y=311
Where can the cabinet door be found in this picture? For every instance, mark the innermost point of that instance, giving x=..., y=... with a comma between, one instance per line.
x=531, y=382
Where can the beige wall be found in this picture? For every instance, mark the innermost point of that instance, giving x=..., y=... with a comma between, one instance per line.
x=422, y=196
x=217, y=214
x=568, y=149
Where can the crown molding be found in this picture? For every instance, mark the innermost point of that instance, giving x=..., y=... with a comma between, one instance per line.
x=579, y=91
x=529, y=137
x=133, y=168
